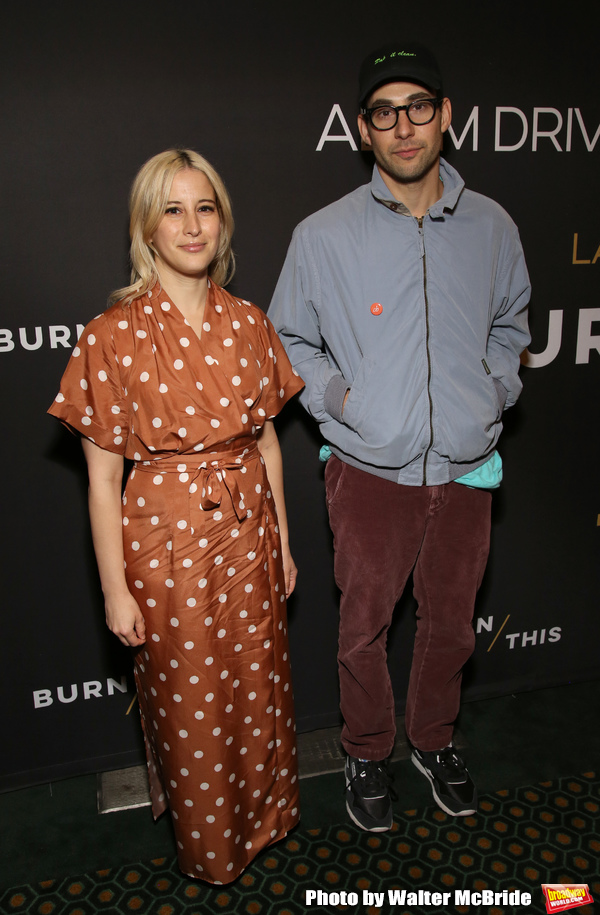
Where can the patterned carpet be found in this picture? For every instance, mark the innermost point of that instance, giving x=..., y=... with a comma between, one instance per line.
x=518, y=840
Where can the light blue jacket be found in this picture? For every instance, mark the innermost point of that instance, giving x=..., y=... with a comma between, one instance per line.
x=430, y=374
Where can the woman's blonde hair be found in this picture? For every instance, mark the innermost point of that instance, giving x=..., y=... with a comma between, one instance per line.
x=147, y=204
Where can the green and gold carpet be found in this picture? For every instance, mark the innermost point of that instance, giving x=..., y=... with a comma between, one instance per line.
x=519, y=839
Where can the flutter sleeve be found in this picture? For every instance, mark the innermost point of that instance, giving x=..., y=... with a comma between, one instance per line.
x=280, y=381
x=91, y=401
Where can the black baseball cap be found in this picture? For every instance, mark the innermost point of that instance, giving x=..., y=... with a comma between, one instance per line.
x=400, y=61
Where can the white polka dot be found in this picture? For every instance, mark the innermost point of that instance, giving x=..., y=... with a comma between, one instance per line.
x=144, y=376
x=154, y=519
x=157, y=480
x=184, y=341
x=236, y=380
x=178, y=364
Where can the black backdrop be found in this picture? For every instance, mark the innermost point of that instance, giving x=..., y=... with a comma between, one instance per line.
x=267, y=93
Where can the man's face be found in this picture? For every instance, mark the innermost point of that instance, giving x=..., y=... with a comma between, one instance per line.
x=407, y=153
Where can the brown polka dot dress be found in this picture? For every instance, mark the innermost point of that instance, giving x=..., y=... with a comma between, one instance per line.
x=202, y=556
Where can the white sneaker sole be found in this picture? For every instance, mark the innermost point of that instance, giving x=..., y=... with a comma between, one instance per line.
x=362, y=826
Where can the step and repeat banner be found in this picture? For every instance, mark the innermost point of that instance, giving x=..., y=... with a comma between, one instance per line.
x=267, y=92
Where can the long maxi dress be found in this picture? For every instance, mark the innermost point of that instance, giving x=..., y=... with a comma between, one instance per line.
x=202, y=557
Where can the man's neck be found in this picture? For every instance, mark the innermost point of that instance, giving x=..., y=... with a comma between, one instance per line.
x=417, y=196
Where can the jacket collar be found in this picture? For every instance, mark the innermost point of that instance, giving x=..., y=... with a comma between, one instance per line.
x=453, y=187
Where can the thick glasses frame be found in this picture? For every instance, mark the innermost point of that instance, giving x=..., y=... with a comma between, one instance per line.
x=368, y=112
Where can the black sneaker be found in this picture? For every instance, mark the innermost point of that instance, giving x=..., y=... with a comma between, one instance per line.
x=452, y=785
x=368, y=800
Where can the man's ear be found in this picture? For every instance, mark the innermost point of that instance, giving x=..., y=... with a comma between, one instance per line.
x=365, y=139
x=446, y=114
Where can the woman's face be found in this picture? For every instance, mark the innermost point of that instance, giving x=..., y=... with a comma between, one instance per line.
x=187, y=238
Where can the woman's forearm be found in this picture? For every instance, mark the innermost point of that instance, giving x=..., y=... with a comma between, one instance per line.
x=268, y=444
x=123, y=615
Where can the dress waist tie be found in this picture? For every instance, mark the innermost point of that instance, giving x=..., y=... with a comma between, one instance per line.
x=210, y=478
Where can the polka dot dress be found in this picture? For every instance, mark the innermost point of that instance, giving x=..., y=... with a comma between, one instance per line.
x=203, y=561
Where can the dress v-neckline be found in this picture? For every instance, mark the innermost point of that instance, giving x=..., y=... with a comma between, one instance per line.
x=183, y=318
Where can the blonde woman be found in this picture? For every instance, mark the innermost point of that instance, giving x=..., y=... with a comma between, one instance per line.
x=184, y=379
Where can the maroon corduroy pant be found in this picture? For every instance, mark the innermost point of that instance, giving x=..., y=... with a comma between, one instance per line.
x=383, y=531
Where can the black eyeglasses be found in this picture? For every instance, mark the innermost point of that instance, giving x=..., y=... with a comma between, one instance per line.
x=384, y=117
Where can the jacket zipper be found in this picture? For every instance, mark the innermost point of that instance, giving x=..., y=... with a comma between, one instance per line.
x=430, y=445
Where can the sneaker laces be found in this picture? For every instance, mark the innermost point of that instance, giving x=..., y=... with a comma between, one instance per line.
x=449, y=759
x=375, y=778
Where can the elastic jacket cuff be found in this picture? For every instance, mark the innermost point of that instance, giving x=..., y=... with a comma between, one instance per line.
x=333, y=401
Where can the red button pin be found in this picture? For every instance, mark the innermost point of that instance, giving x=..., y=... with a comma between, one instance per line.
x=376, y=308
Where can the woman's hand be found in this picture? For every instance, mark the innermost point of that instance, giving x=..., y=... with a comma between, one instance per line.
x=290, y=571
x=125, y=619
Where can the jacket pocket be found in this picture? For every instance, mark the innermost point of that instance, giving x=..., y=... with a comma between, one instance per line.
x=354, y=408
